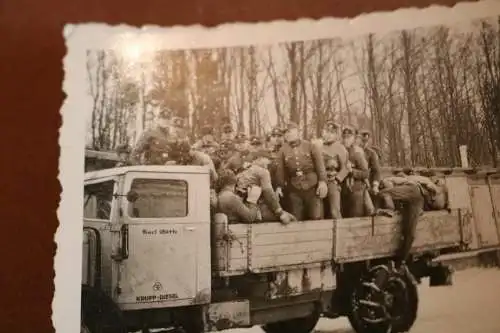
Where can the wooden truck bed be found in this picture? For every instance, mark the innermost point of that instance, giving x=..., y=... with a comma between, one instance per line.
x=272, y=246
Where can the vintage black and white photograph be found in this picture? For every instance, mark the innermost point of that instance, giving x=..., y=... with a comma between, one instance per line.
x=345, y=181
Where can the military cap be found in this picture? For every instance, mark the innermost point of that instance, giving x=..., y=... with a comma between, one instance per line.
x=207, y=130
x=277, y=131
x=348, y=130
x=408, y=170
x=240, y=137
x=255, y=141
x=291, y=125
x=332, y=125
x=226, y=145
x=365, y=133
x=177, y=122
x=164, y=114
x=123, y=149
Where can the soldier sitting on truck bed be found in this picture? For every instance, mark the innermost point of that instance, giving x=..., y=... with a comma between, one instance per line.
x=232, y=205
x=254, y=172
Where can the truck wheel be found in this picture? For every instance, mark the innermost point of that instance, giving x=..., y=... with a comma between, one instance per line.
x=296, y=325
x=99, y=314
x=387, y=307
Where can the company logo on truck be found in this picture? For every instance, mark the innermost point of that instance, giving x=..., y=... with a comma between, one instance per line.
x=159, y=231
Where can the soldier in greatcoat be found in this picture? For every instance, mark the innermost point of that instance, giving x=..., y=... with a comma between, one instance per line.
x=354, y=189
x=373, y=161
x=153, y=145
x=335, y=155
x=207, y=143
x=301, y=172
x=123, y=152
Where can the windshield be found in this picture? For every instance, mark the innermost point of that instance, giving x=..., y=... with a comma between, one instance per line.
x=159, y=198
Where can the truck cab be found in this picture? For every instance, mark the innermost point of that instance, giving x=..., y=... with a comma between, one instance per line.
x=147, y=236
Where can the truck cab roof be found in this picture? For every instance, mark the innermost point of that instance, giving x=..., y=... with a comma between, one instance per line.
x=186, y=169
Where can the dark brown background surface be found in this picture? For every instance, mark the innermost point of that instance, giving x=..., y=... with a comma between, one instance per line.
x=31, y=74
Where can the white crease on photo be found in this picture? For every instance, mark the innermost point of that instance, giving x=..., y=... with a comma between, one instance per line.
x=135, y=43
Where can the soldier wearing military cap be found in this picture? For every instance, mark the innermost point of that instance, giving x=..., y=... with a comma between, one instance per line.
x=335, y=155
x=276, y=139
x=207, y=142
x=123, y=152
x=227, y=131
x=275, y=142
x=256, y=143
x=373, y=160
x=355, y=201
x=253, y=171
x=182, y=154
x=301, y=170
x=153, y=144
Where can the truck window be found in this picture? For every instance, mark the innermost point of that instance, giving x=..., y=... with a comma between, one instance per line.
x=97, y=200
x=159, y=198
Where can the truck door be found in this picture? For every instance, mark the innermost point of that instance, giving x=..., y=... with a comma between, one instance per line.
x=168, y=232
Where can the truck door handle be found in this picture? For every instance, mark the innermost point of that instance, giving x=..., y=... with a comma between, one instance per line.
x=190, y=228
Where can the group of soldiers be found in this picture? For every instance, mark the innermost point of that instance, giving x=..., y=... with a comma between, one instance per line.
x=284, y=177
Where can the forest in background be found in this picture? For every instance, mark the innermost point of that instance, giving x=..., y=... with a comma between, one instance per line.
x=421, y=92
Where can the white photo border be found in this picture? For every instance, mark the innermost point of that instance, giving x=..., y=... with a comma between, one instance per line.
x=81, y=37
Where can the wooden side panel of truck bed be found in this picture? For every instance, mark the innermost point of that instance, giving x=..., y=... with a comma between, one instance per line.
x=271, y=246
x=368, y=238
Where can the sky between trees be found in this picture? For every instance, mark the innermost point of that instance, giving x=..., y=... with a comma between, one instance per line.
x=421, y=92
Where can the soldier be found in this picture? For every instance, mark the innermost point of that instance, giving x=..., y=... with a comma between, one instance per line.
x=256, y=174
x=153, y=145
x=241, y=151
x=227, y=133
x=207, y=142
x=182, y=154
x=355, y=186
x=256, y=143
x=225, y=151
x=236, y=210
x=123, y=152
x=413, y=193
x=302, y=170
x=336, y=156
x=373, y=160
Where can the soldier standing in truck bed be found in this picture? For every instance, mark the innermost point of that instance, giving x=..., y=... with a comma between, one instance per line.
x=373, y=161
x=353, y=198
x=123, y=152
x=301, y=170
x=241, y=150
x=153, y=145
x=207, y=142
x=227, y=131
x=335, y=155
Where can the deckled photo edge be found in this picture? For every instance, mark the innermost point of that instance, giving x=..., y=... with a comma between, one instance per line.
x=81, y=37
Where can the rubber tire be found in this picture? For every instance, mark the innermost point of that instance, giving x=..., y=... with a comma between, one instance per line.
x=296, y=325
x=401, y=326
x=99, y=313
